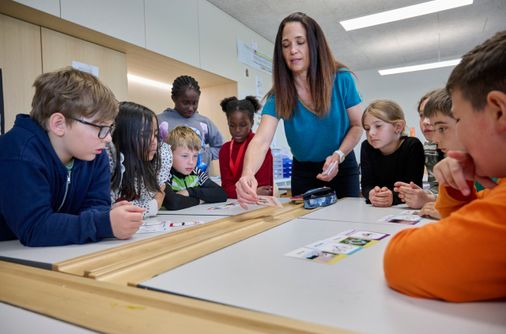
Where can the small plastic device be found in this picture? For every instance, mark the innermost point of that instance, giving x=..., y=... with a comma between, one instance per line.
x=319, y=197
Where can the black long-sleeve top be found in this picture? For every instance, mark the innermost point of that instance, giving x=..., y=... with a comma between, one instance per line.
x=199, y=186
x=406, y=164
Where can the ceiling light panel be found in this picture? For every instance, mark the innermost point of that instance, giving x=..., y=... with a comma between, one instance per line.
x=403, y=13
x=421, y=67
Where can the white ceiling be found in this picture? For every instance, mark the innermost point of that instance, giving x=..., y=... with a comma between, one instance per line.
x=427, y=38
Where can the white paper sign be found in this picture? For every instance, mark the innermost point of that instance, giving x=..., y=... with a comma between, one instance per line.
x=93, y=70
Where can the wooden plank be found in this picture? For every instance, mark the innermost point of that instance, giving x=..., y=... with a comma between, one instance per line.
x=113, y=308
x=21, y=63
x=60, y=49
x=136, y=262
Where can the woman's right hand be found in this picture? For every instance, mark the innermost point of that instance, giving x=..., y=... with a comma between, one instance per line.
x=264, y=191
x=246, y=189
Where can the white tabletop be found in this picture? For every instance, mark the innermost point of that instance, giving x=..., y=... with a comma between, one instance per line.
x=355, y=210
x=16, y=320
x=351, y=294
x=44, y=257
x=229, y=208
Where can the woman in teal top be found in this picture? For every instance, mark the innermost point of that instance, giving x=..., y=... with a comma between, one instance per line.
x=317, y=99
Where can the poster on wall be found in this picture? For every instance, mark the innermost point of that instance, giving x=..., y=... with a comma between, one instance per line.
x=2, y=115
x=252, y=57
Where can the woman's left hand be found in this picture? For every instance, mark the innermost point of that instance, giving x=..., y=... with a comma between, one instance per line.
x=330, y=168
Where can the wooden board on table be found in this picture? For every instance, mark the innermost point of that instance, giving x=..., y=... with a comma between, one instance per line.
x=142, y=260
x=112, y=308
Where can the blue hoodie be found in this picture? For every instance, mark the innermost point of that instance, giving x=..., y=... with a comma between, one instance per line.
x=41, y=203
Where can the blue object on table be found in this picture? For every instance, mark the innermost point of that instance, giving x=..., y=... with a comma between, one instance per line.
x=319, y=197
x=201, y=164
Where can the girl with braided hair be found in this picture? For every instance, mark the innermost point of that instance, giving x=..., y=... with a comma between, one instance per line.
x=186, y=94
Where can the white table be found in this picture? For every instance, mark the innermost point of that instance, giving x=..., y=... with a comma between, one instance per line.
x=353, y=209
x=216, y=209
x=44, y=257
x=351, y=294
x=16, y=320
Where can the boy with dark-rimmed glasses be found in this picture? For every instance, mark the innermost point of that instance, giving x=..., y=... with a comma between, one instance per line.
x=54, y=173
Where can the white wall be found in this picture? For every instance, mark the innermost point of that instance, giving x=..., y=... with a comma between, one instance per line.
x=219, y=33
x=172, y=29
x=192, y=31
x=117, y=18
x=49, y=6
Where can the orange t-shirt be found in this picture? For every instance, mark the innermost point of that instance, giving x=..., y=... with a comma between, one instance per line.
x=461, y=258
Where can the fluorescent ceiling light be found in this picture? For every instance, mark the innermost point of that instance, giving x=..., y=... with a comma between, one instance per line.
x=403, y=13
x=148, y=82
x=420, y=67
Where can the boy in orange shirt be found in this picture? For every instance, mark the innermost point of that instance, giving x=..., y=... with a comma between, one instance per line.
x=461, y=258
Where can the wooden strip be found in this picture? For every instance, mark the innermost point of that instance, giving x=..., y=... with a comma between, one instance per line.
x=170, y=253
x=144, y=270
x=141, y=260
x=113, y=308
x=76, y=266
x=166, y=244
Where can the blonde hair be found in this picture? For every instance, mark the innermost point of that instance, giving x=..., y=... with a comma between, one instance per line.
x=183, y=136
x=74, y=94
x=387, y=111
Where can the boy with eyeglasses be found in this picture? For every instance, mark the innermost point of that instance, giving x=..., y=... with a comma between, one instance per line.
x=54, y=172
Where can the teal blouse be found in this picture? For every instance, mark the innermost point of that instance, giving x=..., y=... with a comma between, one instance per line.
x=313, y=138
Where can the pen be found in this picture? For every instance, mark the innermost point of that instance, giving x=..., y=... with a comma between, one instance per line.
x=330, y=168
x=178, y=224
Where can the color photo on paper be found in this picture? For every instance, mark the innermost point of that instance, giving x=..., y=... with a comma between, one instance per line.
x=338, y=247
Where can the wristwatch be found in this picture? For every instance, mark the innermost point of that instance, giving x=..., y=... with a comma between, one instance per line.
x=341, y=155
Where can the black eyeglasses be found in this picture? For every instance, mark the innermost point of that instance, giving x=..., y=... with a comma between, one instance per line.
x=103, y=130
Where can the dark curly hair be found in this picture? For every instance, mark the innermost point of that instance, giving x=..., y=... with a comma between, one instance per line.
x=249, y=105
x=182, y=83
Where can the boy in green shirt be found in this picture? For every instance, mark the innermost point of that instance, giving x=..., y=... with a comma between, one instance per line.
x=188, y=185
